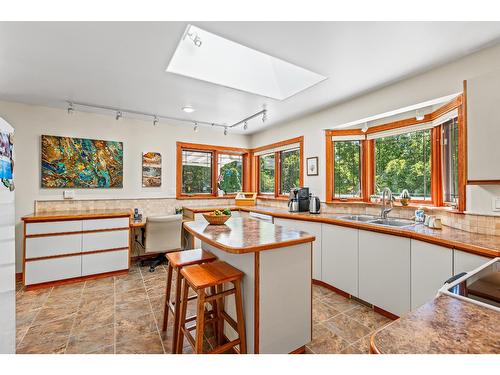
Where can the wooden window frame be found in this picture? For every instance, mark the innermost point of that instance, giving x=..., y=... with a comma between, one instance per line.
x=368, y=156
x=277, y=170
x=216, y=151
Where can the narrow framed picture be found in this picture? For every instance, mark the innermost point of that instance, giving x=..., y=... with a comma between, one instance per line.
x=312, y=166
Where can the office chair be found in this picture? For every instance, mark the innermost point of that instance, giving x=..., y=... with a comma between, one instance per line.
x=163, y=234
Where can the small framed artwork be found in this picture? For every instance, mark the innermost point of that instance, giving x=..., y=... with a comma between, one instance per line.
x=151, y=169
x=312, y=166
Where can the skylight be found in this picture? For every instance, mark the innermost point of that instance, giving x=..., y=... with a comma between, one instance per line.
x=211, y=58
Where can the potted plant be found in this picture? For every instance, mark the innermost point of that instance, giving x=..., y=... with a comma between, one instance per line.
x=405, y=197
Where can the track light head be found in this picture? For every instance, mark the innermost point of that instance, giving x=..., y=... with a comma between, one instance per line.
x=418, y=115
x=225, y=130
x=195, y=127
x=118, y=115
x=245, y=125
x=264, y=116
x=70, y=108
x=156, y=121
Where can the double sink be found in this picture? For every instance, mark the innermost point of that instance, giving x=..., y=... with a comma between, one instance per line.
x=401, y=223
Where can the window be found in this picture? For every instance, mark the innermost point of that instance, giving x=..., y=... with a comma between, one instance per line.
x=205, y=171
x=279, y=167
x=230, y=171
x=266, y=173
x=347, y=169
x=196, y=172
x=404, y=162
x=289, y=170
x=449, y=153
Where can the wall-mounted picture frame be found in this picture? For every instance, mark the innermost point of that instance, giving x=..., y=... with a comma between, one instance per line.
x=151, y=169
x=312, y=166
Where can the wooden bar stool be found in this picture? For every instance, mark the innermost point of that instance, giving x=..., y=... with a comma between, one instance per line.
x=212, y=276
x=176, y=261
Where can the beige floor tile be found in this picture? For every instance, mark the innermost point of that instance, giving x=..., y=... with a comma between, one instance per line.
x=347, y=328
x=136, y=295
x=322, y=312
x=91, y=340
x=126, y=285
x=46, y=338
x=327, y=343
x=149, y=343
x=93, y=318
x=104, y=350
x=131, y=310
x=368, y=317
x=339, y=302
x=129, y=328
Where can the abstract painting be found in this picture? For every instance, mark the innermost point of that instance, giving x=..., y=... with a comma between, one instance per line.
x=81, y=163
x=6, y=160
x=151, y=169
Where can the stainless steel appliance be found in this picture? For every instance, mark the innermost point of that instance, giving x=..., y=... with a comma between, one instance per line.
x=314, y=204
x=303, y=199
x=293, y=203
x=480, y=286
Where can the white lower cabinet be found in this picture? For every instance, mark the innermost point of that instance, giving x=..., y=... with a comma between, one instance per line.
x=37, y=247
x=311, y=228
x=105, y=240
x=384, y=271
x=42, y=271
x=339, y=256
x=465, y=262
x=431, y=266
x=104, y=262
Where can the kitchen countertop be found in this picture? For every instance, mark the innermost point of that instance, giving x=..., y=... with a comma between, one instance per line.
x=480, y=244
x=75, y=215
x=243, y=235
x=444, y=325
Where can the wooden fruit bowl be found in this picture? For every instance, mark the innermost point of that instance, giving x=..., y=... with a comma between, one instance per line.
x=216, y=219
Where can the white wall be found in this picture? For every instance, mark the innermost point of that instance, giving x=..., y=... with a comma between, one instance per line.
x=138, y=136
x=436, y=83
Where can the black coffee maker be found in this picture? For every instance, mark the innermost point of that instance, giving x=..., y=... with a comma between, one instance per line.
x=303, y=198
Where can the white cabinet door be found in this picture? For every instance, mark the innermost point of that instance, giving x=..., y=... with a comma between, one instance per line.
x=311, y=228
x=483, y=131
x=104, y=262
x=37, y=247
x=41, y=271
x=465, y=262
x=431, y=266
x=105, y=240
x=54, y=227
x=384, y=271
x=117, y=222
x=339, y=256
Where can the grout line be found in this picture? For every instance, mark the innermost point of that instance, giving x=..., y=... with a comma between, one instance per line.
x=74, y=319
x=35, y=317
x=151, y=308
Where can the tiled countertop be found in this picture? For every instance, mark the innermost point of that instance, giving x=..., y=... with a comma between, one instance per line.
x=242, y=235
x=475, y=243
x=445, y=325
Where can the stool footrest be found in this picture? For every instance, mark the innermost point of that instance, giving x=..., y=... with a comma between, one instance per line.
x=225, y=347
x=230, y=320
x=220, y=295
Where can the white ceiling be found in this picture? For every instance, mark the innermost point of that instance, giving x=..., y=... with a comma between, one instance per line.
x=122, y=64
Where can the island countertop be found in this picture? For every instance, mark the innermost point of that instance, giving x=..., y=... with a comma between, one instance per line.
x=444, y=325
x=243, y=235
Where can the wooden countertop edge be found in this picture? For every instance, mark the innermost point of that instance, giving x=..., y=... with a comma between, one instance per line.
x=78, y=216
x=249, y=249
x=373, y=347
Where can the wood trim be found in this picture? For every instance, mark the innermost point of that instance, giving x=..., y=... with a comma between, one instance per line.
x=300, y=350
x=19, y=276
x=462, y=151
x=81, y=253
x=55, y=234
x=450, y=106
x=342, y=132
x=256, y=306
x=73, y=216
x=385, y=313
x=399, y=124
x=205, y=147
x=331, y=287
x=436, y=167
x=76, y=280
x=483, y=182
x=299, y=139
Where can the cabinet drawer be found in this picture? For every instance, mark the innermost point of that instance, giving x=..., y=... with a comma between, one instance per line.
x=105, y=240
x=41, y=271
x=465, y=262
x=104, y=262
x=54, y=227
x=95, y=224
x=37, y=247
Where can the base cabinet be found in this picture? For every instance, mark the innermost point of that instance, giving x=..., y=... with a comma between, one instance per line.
x=384, y=271
x=465, y=262
x=45, y=270
x=431, y=266
x=339, y=255
x=311, y=228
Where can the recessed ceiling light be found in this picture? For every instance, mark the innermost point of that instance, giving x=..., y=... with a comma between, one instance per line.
x=188, y=109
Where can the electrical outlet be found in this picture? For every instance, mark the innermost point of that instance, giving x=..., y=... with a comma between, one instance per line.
x=496, y=204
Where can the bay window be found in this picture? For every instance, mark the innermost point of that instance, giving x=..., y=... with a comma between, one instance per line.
x=450, y=161
x=266, y=173
x=347, y=169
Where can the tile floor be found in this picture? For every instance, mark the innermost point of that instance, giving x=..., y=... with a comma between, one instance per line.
x=124, y=314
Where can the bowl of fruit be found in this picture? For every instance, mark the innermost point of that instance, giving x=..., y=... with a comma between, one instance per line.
x=218, y=217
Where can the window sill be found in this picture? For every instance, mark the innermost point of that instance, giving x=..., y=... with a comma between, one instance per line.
x=272, y=198
x=411, y=205
x=198, y=196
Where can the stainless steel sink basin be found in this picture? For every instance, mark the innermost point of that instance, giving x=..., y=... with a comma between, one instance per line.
x=363, y=218
x=393, y=222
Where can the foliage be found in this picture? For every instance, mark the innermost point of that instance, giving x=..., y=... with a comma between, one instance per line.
x=347, y=169
x=290, y=170
x=266, y=176
x=196, y=179
x=231, y=177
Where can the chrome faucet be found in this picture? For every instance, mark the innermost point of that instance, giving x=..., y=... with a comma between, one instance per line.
x=384, y=211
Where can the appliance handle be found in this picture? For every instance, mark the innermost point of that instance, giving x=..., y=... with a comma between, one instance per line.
x=456, y=277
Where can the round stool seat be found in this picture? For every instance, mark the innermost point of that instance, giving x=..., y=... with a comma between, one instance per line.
x=189, y=257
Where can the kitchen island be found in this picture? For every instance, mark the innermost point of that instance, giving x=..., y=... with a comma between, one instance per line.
x=277, y=287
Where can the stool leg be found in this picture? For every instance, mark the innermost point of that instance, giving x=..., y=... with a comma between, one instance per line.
x=239, y=317
x=220, y=319
x=182, y=321
x=215, y=308
x=167, y=297
x=200, y=322
x=177, y=307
